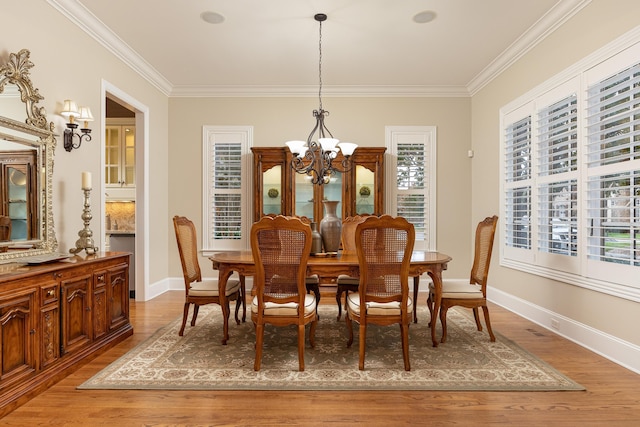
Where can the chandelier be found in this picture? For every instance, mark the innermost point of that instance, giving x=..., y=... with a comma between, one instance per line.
x=315, y=157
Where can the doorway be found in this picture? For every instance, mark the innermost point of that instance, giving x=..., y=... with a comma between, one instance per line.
x=124, y=171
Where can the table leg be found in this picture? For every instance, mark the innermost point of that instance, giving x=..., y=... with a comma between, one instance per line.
x=416, y=284
x=437, y=299
x=223, y=277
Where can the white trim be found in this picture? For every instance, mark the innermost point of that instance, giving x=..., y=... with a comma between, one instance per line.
x=622, y=352
x=142, y=184
x=391, y=184
x=551, y=21
x=245, y=190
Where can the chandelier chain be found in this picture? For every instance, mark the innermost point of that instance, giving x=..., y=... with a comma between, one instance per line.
x=320, y=66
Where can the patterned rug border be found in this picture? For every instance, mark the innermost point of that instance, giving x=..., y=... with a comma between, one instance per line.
x=132, y=371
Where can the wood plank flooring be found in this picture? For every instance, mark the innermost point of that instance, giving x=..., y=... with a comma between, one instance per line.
x=612, y=397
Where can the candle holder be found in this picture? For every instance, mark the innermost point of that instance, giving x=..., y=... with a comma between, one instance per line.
x=85, y=242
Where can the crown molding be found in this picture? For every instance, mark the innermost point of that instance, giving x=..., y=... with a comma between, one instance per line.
x=551, y=21
x=95, y=28
x=311, y=91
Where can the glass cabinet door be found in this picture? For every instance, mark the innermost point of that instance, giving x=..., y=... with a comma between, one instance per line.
x=304, y=197
x=272, y=191
x=364, y=190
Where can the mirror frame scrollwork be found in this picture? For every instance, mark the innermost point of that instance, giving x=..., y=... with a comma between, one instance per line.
x=16, y=71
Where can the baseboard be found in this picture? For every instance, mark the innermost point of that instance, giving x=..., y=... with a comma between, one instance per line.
x=623, y=353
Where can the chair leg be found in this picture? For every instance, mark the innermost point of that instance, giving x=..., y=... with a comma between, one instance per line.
x=196, y=307
x=259, y=341
x=349, y=328
x=485, y=309
x=339, y=301
x=243, y=295
x=476, y=316
x=443, y=321
x=404, y=333
x=363, y=345
x=238, y=302
x=301, y=348
x=429, y=306
x=312, y=332
x=185, y=315
x=416, y=284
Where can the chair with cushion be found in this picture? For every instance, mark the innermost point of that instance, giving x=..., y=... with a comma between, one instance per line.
x=345, y=282
x=281, y=247
x=384, y=245
x=473, y=293
x=197, y=291
x=313, y=281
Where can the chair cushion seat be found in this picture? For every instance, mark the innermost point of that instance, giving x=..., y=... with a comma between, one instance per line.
x=459, y=289
x=286, y=309
x=209, y=288
x=344, y=279
x=312, y=280
x=376, y=308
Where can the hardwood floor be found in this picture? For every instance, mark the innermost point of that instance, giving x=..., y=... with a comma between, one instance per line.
x=612, y=397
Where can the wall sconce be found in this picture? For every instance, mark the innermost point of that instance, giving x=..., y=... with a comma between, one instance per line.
x=71, y=111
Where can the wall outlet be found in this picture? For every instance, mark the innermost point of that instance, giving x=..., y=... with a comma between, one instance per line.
x=555, y=324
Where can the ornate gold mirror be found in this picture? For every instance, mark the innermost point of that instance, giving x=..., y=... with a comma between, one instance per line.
x=27, y=144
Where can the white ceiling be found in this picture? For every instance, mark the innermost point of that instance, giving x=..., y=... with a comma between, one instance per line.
x=270, y=47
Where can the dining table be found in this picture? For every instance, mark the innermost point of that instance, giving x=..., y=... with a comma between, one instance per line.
x=328, y=268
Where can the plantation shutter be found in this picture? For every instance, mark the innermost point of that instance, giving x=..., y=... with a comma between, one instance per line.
x=557, y=159
x=225, y=200
x=517, y=156
x=613, y=199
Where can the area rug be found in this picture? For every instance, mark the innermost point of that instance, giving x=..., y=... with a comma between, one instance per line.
x=198, y=360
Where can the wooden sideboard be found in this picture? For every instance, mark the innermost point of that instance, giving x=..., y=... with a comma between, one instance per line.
x=54, y=316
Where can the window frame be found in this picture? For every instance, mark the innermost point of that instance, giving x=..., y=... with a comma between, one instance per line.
x=244, y=136
x=579, y=270
x=409, y=134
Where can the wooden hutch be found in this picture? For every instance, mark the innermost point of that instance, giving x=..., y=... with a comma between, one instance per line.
x=280, y=190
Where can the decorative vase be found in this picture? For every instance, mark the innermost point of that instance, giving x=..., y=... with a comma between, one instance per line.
x=330, y=227
x=316, y=239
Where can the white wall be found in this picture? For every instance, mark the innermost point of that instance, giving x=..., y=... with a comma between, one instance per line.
x=70, y=64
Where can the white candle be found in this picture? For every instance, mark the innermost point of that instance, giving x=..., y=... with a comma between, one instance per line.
x=86, y=180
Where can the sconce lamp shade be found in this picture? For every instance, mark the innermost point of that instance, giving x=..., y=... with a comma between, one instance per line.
x=70, y=109
x=85, y=114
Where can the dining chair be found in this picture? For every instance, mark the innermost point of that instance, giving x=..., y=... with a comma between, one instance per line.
x=384, y=245
x=197, y=291
x=346, y=283
x=281, y=247
x=312, y=282
x=473, y=293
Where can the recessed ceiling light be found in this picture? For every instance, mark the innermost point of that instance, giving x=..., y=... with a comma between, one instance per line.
x=212, y=17
x=424, y=17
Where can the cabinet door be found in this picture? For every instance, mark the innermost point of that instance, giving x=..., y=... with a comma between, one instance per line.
x=272, y=190
x=100, y=304
x=118, y=293
x=112, y=155
x=76, y=312
x=120, y=158
x=17, y=336
x=49, y=324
